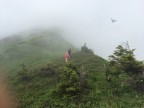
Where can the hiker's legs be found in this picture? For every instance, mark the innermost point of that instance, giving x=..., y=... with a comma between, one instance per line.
x=66, y=60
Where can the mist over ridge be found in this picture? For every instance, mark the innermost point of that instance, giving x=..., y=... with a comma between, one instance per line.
x=80, y=21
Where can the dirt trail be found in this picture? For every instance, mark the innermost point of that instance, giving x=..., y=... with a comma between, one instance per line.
x=5, y=99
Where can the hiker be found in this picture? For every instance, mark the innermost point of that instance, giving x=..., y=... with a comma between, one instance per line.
x=69, y=51
x=67, y=56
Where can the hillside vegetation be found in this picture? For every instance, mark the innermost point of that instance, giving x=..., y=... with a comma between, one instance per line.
x=87, y=81
x=32, y=49
x=36, y=88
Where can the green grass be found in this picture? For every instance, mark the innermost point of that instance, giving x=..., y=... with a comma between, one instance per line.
x=42, y=54
x=36, y=92
x=32, y=50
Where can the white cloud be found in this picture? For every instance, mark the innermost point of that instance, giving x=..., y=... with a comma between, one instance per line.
x=84, y=20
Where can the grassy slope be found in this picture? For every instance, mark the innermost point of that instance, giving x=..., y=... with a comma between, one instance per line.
x=34, y=90
x=35, y=93
x=33, y=50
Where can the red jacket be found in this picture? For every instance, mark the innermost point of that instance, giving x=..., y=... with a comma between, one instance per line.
x=67, y=55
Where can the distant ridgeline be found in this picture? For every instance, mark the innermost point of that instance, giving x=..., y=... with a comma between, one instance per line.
x=32, y=49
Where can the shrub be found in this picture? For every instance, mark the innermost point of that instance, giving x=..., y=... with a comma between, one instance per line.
x=73, y=83
x=123, y=62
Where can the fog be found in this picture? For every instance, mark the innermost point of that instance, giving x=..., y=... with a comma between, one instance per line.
x=80, y=20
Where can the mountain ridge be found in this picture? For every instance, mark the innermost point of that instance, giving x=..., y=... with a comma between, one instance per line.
x=20, y=49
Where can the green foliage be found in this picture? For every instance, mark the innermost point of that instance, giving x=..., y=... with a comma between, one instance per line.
x=73, y=83
x=87, y=83
x=33, y=49
x=41, y=91
x=123, y=63
x=23, y=74
x=35, y=92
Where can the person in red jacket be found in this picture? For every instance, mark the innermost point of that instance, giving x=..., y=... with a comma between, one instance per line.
x=67, y=57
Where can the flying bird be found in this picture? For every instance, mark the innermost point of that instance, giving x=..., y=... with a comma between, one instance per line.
x=113, y=20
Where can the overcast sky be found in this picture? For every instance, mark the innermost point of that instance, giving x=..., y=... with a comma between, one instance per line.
x=82, y=20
